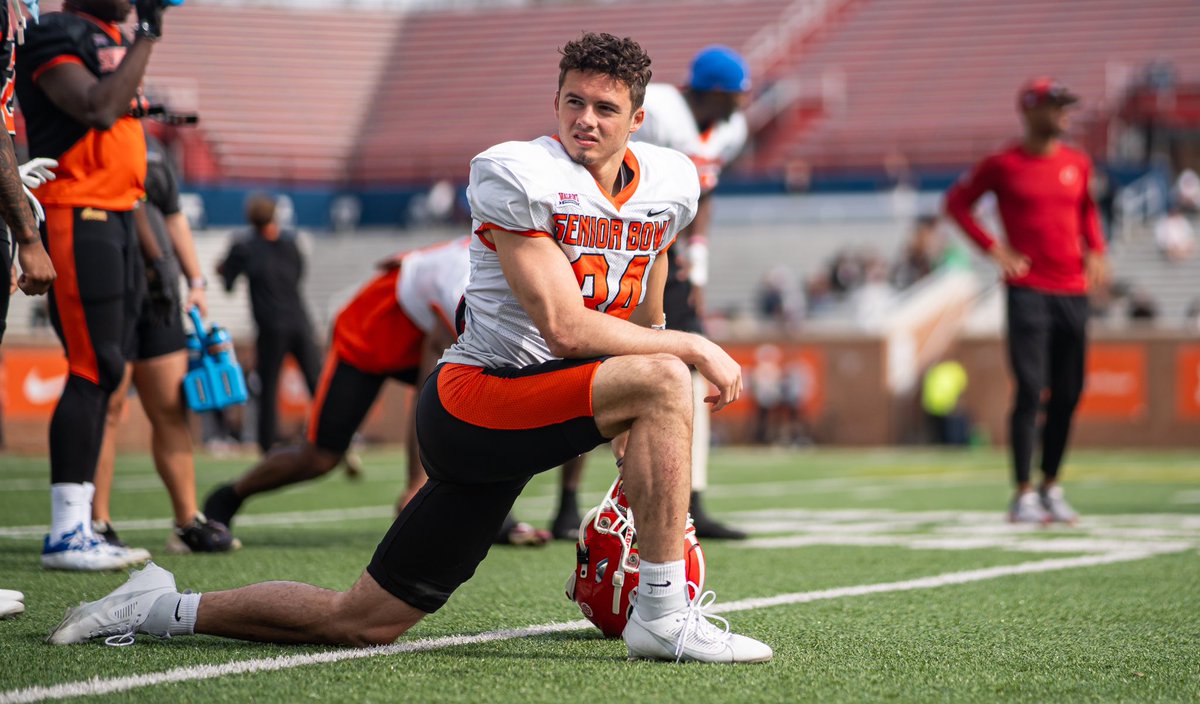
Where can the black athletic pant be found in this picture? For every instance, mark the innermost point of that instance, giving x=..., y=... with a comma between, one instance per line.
x=273, y=346
x=94, y=307
x=1047, y=347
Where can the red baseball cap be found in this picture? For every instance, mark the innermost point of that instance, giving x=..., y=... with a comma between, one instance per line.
x=1037, y=91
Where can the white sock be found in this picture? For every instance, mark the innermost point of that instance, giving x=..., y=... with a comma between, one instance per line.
x=172, y=615
x=70, y=507
x=662, y=589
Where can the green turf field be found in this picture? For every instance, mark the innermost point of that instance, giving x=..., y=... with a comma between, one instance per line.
x=875, y=575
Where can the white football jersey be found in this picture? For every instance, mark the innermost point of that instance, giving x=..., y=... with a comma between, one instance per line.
x=669, y=123
x=431, y=283
x=611, y=242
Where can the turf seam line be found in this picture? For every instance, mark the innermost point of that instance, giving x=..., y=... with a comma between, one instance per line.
x=97, y=686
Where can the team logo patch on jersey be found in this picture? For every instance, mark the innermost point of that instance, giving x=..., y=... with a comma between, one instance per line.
x=568, y=198
x=110, y=58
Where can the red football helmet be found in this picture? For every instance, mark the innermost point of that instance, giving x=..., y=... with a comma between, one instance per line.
x=606, y=573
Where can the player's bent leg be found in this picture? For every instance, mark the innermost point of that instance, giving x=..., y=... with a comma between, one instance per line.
x=281, y=467
x=651, y=397
x=277, y=612
x=292, y=612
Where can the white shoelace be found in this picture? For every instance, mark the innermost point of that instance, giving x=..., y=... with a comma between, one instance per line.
x=695, y=618
x=120, y=640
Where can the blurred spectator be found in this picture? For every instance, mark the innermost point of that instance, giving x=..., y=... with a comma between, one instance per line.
x=1142, y=308
x=819, y=295
x=921, y=254
x=780, y=300
x=1192, y=316
x=1104, y=192
x=796, y=390
x=941, y=394
x=1186, y=191
x=766, y=387
x=797, y=176
x=846, y=272
x=345, y=212
x=1174, y=236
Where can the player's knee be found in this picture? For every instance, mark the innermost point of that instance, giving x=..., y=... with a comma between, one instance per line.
x=377, y=627
x=110, y=367
x=669, y=379
x=319, y=461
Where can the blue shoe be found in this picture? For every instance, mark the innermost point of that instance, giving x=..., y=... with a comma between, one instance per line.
x=79, y=551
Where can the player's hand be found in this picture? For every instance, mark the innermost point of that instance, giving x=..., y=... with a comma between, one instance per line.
x=37, y=272
x=149, y=18
x=722, y=371
x=161, y=289
x=37, y=171
x=1012, y=263
x=1095, y=267
x=197, y=297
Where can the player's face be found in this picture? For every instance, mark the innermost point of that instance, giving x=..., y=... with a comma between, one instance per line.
x=107, y=10
x=1049, y=119
x=595, y=118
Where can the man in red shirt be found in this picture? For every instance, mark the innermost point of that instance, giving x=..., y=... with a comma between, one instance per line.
x=1052, y=251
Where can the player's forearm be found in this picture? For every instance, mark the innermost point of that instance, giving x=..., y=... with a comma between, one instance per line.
x=588, y=333
x=14, y=207
x=959, y=207
x=184, y=245
x=109, y=98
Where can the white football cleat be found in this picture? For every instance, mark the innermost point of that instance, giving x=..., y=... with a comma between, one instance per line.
x=687, y=635
x=79, y=551
x=1056, y=506
x=12, y=602
x=119, y=614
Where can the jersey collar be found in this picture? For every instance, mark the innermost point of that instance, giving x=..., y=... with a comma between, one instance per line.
x=112, y=30
x=630, y=188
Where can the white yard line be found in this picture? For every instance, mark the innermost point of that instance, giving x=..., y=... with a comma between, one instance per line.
x=98, y=685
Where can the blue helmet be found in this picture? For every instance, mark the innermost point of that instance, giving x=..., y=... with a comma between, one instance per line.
x=719, y=68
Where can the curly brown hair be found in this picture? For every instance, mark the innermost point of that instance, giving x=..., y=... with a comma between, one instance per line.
x=622, y=59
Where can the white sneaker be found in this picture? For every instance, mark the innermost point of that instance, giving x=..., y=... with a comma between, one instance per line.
x=11, y=603
x=687, y=635
x=117, y=616
x=1027, y=508
x=1057, y=507
x=77, y=550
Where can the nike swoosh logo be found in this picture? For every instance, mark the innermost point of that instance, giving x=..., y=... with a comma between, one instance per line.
x=40, y=390
x=177, y=617
x=653, y=213
x=664, y=585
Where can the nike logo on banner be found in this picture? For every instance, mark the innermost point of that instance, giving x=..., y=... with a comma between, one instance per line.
x=653, y=213
x=664, y=585
x=41, y=390
x=177, y=618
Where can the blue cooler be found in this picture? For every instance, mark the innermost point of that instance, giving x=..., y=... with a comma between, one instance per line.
x=215, y=379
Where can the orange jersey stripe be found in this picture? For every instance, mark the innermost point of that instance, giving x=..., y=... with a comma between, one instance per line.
x=56, y=61
x=81, y=355
x=331, y=364
x=521, y=403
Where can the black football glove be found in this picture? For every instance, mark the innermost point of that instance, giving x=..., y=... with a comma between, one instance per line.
x=162, y=290
x=149, y=18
